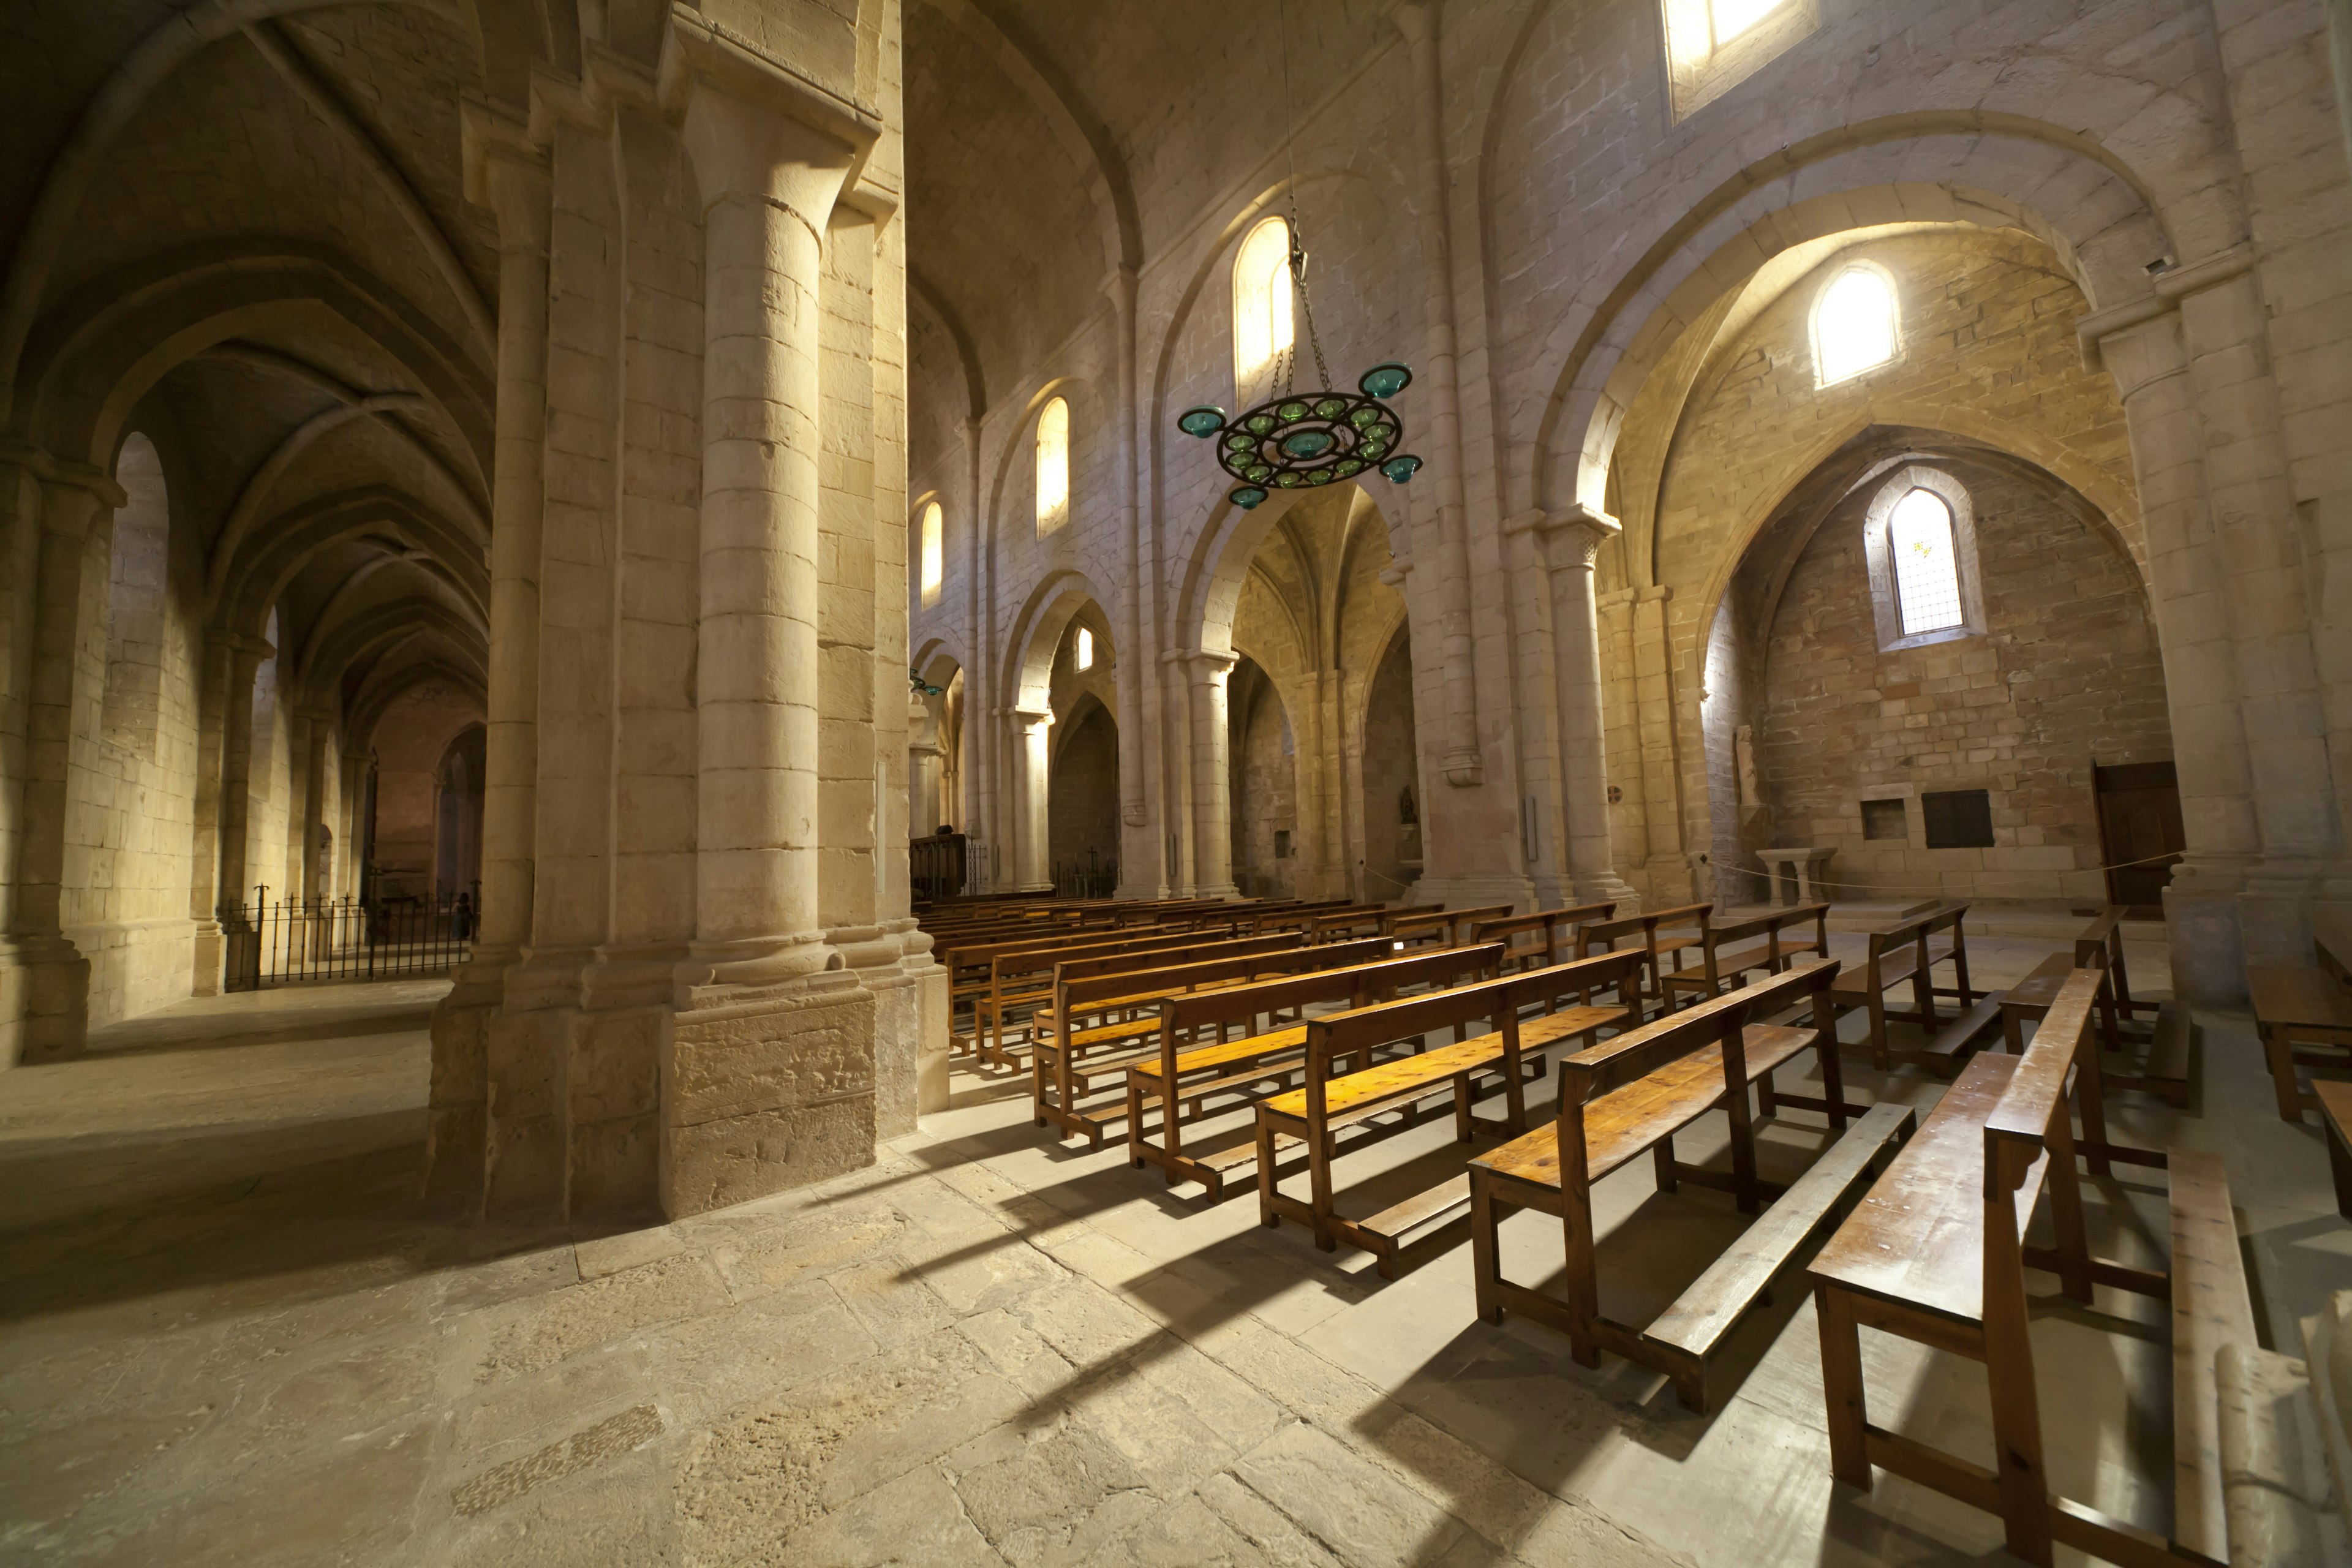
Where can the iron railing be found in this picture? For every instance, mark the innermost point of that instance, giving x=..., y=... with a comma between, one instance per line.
x=1097, y=878
x=283, y=941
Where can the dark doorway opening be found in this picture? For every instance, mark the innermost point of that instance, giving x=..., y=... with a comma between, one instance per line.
x=2140, y=836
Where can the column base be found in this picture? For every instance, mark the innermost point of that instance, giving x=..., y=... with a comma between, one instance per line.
x=2207, y=942
x=43, y=1000
x=1608, y=887
x=1461, y=892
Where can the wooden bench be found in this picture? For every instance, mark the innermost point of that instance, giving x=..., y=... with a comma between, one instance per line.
x=1194, y=1053
x=1911, y=950
x=1315, y=1112
x=1555, y=928
x=1014, y=985
x=2304, y=1015
x=1441, y=928
x=1633, y=1094
x=1067, y=1056
x=1364, y=919
x=1935, y=1253
x=2169, y=1036
x=1684, y=926
x=2336, y=1126
x=1721, y=965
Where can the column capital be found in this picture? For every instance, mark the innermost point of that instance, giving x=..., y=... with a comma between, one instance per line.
x=1209, y=664
x=506, y=172
x=1571, y=538
x=252, y=647
x=1030, y=718
x=57, y=471
x=755, y=128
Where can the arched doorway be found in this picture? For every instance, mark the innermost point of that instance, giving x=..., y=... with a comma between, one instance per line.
x=1082, y=802
x=1262, y=753
x=457, y=819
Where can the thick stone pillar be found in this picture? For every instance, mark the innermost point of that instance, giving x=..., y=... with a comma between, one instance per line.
x=245, y=656
x=1462, y=762
x=47, y=1013
x=1571, y=543
x=926, y=802
x=770, y=1082
x=203, y=872
x=1030, y=731
x=351, y=865
x=1212, y=807
x=1138, y=857
x=313, y=863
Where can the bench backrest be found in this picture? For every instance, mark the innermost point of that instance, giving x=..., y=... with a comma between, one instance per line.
x=1358, y=981
x=1080, y=987
x=1769, y=926
x=1007, y=959
x=1085, y=965
x=1636, y=1054
x=1914, y=931
x=1370, y=919
x=1602, y=936
x=1441, y=922
x=2034, y=1117
x=1552, y=923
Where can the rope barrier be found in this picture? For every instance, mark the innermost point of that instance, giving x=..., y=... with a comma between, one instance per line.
x=1938, y=887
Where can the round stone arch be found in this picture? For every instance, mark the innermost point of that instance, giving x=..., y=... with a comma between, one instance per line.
x=1220, y=556
x=1595, y=359
x=1038, y=631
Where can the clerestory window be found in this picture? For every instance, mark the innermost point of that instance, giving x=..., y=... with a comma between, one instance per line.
x=1053, y=466
x=934, y=553
x=1855, y=324
x=1262, y=321
x=1081, y=654
x=1712, y=46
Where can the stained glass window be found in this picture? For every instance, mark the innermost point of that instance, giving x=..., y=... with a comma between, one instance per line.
x=1927, y=570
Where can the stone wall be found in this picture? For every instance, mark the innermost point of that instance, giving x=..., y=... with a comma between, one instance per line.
x=412, y=742
x=1082, y=800
x=1262, y=749
x=1390, y=768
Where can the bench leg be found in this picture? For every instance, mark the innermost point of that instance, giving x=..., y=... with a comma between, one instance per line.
x=1583, y=1281
x=1319, y=1184
x=2282, y=1080
x=1134, y=1125
x=1266, y=1215
x=1486, y=1247
x=1662, y=1154
x=1842, y=1394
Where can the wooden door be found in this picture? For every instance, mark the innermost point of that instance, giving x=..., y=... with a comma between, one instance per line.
x=2139, y=818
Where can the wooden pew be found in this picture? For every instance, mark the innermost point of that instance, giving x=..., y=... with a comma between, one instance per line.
x=2169, y=1037
x=1555, y=929
x=1441, y=928
x=1022, y=961
x=1721, y=965
x=1910, y=950
x=2336, y=1126
x=1364, y=919
x=1260, y=1062
x=1634, y=1093
x=1314, y=1113
x=1065, y=1058
x=1684, y=926
x=1934, y=1252
x=2304, y=1015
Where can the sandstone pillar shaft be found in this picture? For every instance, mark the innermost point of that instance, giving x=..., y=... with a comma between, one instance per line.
x=1212, y=821
x=768, y=186
x=1571, y=546
x=245, y=655
x=1464, y=762
x=204, y=872
x=1137, y=853
x=314, y=805
x=1032, y=736
x=516, y=189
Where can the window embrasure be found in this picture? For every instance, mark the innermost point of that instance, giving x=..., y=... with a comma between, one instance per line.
x=933, y=559
x=1053, y=466
x=1712, y=46
x=1857, y=323
x=1919, y=537
x=1263, y=323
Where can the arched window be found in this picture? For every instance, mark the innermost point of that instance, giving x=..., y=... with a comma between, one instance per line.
x=1262, y=321
x=1082, y=653
x=1926, y=569
x=1853, y=324
x=934, y=553
x=1053, y=466
x=1712, y=46
x=1919, y=537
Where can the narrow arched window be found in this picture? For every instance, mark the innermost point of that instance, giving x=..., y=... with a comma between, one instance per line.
x=1920, y=540
x=1927, y=570
x=1263, y=322
x=1081, y=654
x=934, y=553
x=1855, y=326
x=1053, y=466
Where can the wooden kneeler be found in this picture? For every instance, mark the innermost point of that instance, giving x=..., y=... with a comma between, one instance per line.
x=1633, y=1093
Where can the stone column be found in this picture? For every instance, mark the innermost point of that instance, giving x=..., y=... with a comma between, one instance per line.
x=508, y=175
x=1571, y=543
x=352, y=866
x=1136, y=853
x=925, y=803
x=203, y=872
x=1463, y=763
x=245, y=655
x=768, y=185
x=2149, y=360
x=1212, y=819
x=49, y=1016
x=1032, y=738
x=314, y=799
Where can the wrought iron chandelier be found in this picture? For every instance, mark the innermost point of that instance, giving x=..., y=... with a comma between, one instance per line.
x=1297, y=440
